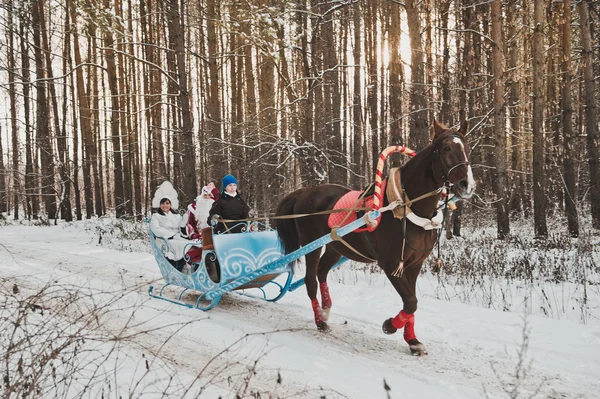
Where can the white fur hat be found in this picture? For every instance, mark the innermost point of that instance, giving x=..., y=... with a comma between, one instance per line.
x=165, y=190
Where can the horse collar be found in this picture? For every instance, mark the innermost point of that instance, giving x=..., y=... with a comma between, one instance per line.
x=395, y=191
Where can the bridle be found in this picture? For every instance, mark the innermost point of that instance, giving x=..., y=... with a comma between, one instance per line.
x=445, y=169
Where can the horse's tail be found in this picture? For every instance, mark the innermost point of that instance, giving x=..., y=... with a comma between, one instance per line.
x=286, y=228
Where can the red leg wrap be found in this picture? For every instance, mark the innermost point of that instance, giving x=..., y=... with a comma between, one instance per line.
x=317, y=311
x=409, y=329
x=401, y=319
x=325, y=297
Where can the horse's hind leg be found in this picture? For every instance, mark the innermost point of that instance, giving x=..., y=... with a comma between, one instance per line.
x=310, y=279
x=329, y=258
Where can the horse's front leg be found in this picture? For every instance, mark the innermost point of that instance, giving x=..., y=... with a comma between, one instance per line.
x=405, y=285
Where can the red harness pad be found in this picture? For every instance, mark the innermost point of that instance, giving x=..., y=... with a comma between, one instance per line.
x=349, y=201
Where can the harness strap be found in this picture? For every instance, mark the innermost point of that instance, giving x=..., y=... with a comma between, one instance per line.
x=438, y=261
x=419, y=198
x=335, y=237
x=400, y=269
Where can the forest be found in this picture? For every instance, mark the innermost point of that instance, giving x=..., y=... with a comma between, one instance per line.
x=102, y=100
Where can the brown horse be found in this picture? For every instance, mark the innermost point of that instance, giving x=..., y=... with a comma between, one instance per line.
x=397, y=245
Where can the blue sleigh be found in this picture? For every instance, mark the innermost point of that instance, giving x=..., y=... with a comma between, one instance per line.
x=248, y=260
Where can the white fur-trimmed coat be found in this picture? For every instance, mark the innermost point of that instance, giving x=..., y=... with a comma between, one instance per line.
x=167, y=227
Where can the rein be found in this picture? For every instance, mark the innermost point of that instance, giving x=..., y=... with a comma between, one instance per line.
x=393, y=204
x=295, y=216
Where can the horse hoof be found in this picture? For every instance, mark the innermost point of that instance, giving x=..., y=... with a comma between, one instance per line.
x=388, y=327
x=417, y=350
x=323, y=327
x=325, y=313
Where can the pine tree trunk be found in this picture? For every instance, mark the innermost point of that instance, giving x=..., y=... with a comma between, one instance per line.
x=123, y=101
x=92, y=89
x=85, y=117
x=290, y=99
x=156, y=155
x=498, y=157
x=305, y=127
x=396, y=76
x=466, y=59
x=419, y=132
x=428, y=67
x=267, y=119
x=65, y=205
x=554, y=154
x=372, y=87
x=115, y=115
x=69, y=60
x=134, y=147
x=332, y=100
x=570, y=179
x=237, y=89
x=345, y=87
x=176, y=26
x=539, y=180
x=173, y=115
x=590, y=112
x=513, y=83
x=446, y=114
x=104, y=132
x=147, y=90
x=318, y=108
x=3, y=192
x=250, y=117
x=218, y=151
x=357, y=98
x=31, y=192
x=12, y=77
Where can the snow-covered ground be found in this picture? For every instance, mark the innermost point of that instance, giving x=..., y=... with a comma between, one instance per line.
x=137, y=346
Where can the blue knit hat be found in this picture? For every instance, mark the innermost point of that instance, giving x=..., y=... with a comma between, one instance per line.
x=227, y=180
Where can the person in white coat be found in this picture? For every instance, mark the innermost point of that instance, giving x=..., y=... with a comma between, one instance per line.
x=166, y=223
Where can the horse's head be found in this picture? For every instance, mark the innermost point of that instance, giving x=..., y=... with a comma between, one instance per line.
x=450, y=162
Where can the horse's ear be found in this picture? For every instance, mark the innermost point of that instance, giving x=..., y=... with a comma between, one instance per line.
x=438, y=128
x=464, y=127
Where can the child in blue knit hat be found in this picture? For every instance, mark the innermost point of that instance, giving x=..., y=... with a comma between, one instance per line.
x=229, y=206
x=227, y=180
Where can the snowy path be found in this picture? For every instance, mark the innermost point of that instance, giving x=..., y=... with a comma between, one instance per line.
x=472, y=351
